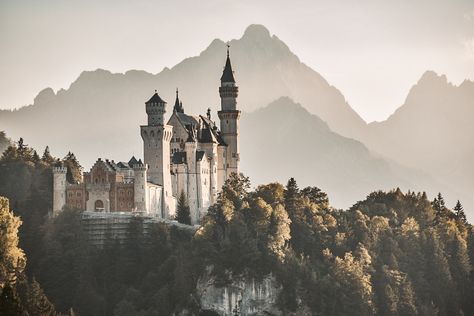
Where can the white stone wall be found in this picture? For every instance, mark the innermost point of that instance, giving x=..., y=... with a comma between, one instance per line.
x=140, y=194
x=154, y=200
x=204, y=187
x=180, y=135
x=221, y=167
x=59, y=189
x=212, y=152
x=193, y=198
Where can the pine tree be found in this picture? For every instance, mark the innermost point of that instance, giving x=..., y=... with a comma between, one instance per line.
x=459, y=211
x=38, y=303
x=24, y=152
x=292, y=194
x=183, y=214
x=47, y=158
x=74, y=169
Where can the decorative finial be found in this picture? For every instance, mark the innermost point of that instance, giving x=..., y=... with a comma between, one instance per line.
x=176, y=92
x=209, y=113
x=156, y=91
x=228, y=46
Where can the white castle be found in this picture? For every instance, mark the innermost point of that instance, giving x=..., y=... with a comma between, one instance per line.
x=187, y=155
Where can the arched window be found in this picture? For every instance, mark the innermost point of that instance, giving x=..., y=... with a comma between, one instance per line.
x=99, y=206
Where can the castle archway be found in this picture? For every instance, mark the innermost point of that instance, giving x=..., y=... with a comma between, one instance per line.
x=99, y=206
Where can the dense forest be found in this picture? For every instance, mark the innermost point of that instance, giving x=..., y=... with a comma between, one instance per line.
x=393, y=253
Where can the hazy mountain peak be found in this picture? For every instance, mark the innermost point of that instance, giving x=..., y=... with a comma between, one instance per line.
x=45, y=96
x=431, y=76
x=256, y=32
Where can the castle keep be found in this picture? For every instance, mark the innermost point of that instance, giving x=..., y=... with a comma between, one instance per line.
x=187, y=155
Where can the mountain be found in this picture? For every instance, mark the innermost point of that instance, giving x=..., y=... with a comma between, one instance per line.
x=111, y=104
x=433, y=131
x=284, y=140
x=100, y=113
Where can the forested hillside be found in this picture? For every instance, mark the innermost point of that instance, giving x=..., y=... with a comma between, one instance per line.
x=393, y=253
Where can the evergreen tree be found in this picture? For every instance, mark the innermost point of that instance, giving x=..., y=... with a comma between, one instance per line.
x=38, y=303
x=74, y=169
x=459, y=211
x=438, y=203
x=47, y=158
x=291, y=195
x=183, y=214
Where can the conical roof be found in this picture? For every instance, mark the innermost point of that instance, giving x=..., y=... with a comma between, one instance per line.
x=227, y=74
x=155, y=99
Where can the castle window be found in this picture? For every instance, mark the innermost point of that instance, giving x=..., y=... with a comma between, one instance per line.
x=78, y=194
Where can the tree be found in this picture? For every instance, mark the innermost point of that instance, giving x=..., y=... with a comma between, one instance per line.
x=74, y=169
x=183, y=214
x=12, y=258
x=38, y=303
x=291, y=196
x=316, y=196
x=459, y=211
x=438, y=203
x=47, y=158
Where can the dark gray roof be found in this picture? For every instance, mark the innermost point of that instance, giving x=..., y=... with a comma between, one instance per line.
x=155, y=99
x=178, y=105
x=227, y=74
x=124, y=165
x=111, y=165
x=178, y=157
x=210, y=132
x=133, y=161
x=186, y=119
x=200, y=155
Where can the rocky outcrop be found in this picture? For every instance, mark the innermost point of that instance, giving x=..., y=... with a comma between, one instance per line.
x=243, y=296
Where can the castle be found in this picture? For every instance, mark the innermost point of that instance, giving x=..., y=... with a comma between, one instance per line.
x=188, y=155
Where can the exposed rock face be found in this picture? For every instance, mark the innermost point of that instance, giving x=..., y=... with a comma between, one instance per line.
x=243, y=296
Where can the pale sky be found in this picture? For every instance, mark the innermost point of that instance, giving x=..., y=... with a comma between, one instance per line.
x=373, y=51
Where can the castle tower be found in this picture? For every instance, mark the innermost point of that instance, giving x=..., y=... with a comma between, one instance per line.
x=190, y=148
x=156, y=140
x=59, y=189
x=139, y=188
x=229, y=117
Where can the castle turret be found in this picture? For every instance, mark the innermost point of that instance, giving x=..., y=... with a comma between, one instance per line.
x=139, y=187
x=190, y=147
x=178, y=105
x=59, y=189
x=156, y=140
x=229, y=118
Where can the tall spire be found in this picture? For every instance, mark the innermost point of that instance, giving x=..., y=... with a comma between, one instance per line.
x=228, y=74
x=178, y=105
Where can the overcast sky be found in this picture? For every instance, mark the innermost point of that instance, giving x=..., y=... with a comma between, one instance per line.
x=373, y=51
